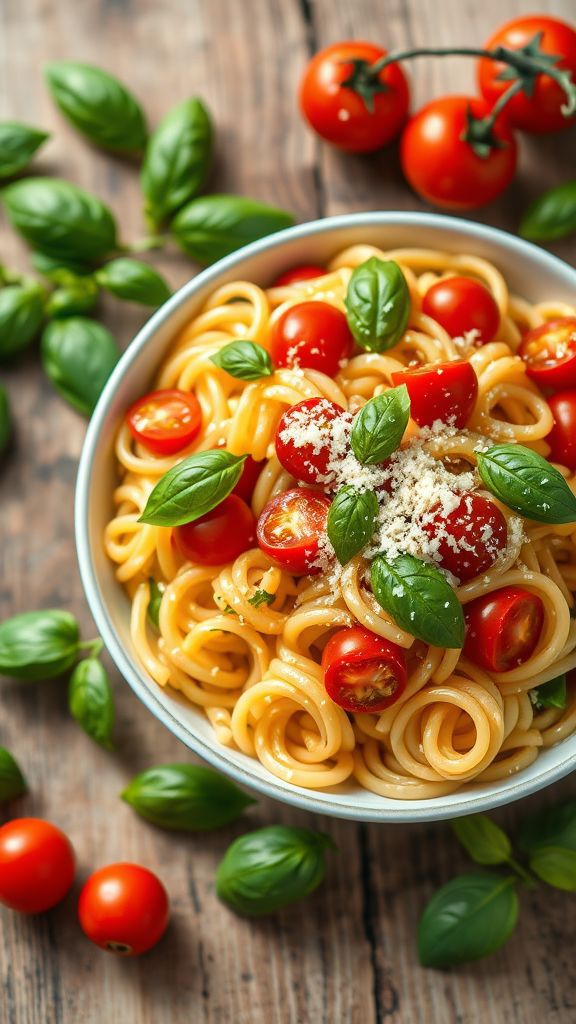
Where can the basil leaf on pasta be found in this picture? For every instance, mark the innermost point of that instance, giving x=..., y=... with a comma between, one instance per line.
x=377, y=304
x=60, y=219
x=185, y=797
x=177, y=159
x=419, y=599
x=5, y=420
x=378, y=428
x=470, y=917
x=352, y=520
x=154, y=603
x=551, y=694
x=12, y=782
x=213, y=226
x=484, y=842
x=134, y=281
x=556, y=866
x=552, y=215
x=38, y=645
x=244, y=359
x=192, y=488
x=551, y=826
x=527, y=483
x=18, y=143
x=98, y=105
x=90, y=701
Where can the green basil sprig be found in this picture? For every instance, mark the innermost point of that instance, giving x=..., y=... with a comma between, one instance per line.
x=79, y=295
x=213, y=226
x=378, y=428
x=352, y=518
x=556, y=866
x=185, y=797
x=133, y=280
x=552, y=215
x=154, y=603
x=177, y=160
x=419, y=599
x=38, y=645
x=244, y=359
x=377, y=304
x=551, y=694
x=270, y=868
x=78, y=356
x=12, y=782
x=60, y=219
x=90, y=701
x=98, y=105
x=192, y=488
x=21, y=315
x=467, y=919
x=527, y=483
x=18, y=143
x=484, y=841
x=5, y=421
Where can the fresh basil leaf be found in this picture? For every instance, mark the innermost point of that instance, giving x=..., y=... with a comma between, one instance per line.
x=261, y=597
x=485, y=842
x=59, y=270
x=38, y=645
x=185, y=797
x=552, y=826
x=154, y=602
x=21, y=315
x=60, y=219
x=98, y=105
x=556, y=866
x=470, y=917
x=527, y=483
x=244, y=360
x=352, y=518
x=214, y=226
x=18, y=143
x=90, y=701
x=551, y=694
x=265, y=870
x=377, y=304
x=192, y=488
x=78, y=356
x=378, y=428
x=177, y=159
x=133, y=280
x=79, y=296
x=419, y=599
x=552, y=215
x=12, y=782
x=5, y=422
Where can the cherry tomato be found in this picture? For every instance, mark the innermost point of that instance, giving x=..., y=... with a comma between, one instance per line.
x=291, y=527
x=470, y=537
x=165, y=422
x=307, y=272
x=541, y=111
x=218, y=536
x=338, y=113
x=443, y=168
x=460, y=304
x=312, y=334
x=549, y=352
x=562, y=437
x=503, y=628
x=37, y=865
x=440, y=391
x=250, y=472
x=124, y=909
x=362, y=671
x=303, y=438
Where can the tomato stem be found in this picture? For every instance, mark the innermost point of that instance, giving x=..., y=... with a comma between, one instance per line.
x=479, y=132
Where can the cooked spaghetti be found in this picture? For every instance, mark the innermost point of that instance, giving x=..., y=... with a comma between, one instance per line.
x=254, y=640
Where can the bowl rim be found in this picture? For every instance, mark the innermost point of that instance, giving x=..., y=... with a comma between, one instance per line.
x=316, y=801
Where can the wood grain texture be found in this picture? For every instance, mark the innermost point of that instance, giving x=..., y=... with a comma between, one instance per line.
x=346, y=956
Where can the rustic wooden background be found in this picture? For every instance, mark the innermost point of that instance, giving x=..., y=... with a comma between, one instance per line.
x=346, y=956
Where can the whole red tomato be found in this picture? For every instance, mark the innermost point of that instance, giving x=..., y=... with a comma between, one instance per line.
x=124, y=909
x=37, y=865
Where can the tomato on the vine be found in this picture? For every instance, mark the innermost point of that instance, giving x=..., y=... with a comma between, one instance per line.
x=460, y=304
x=123, y=908
x=218, y=536
x=306, y=272
x=165, y=421
x=549, y=352
x=311, y=334
x=562, y=437
x=303, y=438
x=440, y=391
x=503, y=628
x=363, y=671
x=291, y=527
x=470, y=537
x=37, y=865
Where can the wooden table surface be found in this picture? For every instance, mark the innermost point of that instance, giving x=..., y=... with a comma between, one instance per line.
x=347, y=954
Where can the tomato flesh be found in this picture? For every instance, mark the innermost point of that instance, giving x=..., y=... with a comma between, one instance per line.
x=165, y=422
x=250, y=474
x=562, y=437
x=307, y=272
x=37, y=865
x=218, y=536
x=441, y=391
x=470, y=537
x=124, y=909
x=303, y=439
x=460, y=304
x=503, y=628
x=291, y=528
x=363, y=671
x=549, y=352
x=311, y=334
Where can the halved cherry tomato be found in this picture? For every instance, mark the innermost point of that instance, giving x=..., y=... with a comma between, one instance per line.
x=342, y=115
x=307, y=272
x=562, y=437
x=303, y=438
x=503, y=628
x=470, y=537
x=312, y=334
x=165, y=422
x=440, y=391
x=124, y=909
x=37, y=865
x=291, y=527
x=540, y=110
x=218, y=536
x=460, y=304
x=549, y=352
x=362, y=671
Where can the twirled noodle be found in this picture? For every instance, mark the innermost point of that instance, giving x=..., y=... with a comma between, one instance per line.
x=254, y=668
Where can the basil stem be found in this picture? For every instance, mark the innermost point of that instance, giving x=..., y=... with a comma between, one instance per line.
x=483, y=841
x=527, y=483
x=133, y=280
x=80, y=295
x=177, y=160
x=91, y=702
x=244, y=360
x=469, y=918
x=192, y=488
x=98, y=105
x=60, y=219
x=419, y=599
x=352, y=519
x=38, y=645
x=18, y=143
x=378, y=428
x=552, y=215
x=78, y=356
x=377, y=304
x=185, y=797
x=214, y=226
x=21, y=315
x=12, y=782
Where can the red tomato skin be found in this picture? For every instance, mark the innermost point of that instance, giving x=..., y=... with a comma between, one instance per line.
x=37, y=865
x=338, y=114
x=124, y=905
x=541, y=112
x=218, y=536
x=172, y=441
x=460, y=304
x=311, y=334
x=467, y=522
x=443, y=168
x=304, y=463
x=250, y=473
x=307, y=272
x=491, y=620
x=294, y=552
x=559, y=373
x=562, y=437
x=354, y=650
x=440, y=391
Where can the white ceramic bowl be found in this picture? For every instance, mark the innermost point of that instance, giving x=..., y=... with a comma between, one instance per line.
x=530, y=271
